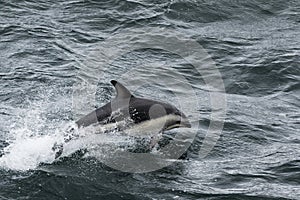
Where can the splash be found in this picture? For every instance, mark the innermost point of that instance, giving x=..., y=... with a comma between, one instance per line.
x=31, y=142
x=34, y=128
x=27, y=153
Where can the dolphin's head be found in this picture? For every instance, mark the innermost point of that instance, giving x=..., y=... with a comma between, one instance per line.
x=169, y=115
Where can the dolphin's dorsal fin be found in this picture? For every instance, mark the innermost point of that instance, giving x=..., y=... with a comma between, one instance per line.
x=122, y=91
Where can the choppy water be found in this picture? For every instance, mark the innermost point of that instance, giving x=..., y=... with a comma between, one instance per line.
x=47, y=48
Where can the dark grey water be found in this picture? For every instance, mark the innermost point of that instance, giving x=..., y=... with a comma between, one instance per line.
x=47, y=48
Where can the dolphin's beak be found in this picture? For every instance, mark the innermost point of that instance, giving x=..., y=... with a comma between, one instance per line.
x=185, y=123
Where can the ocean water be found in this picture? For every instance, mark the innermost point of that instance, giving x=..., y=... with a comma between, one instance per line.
x=56, y=62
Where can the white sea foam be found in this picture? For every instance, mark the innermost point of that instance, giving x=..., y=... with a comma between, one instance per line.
x=33, y=133
x=27, y=153
x=28, y=149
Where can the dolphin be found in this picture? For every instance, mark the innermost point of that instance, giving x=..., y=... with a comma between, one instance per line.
x=140, y=115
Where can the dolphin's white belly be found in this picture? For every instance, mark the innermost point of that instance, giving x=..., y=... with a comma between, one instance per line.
x=145, y=128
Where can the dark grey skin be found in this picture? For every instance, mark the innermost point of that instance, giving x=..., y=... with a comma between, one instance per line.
x=137, y=110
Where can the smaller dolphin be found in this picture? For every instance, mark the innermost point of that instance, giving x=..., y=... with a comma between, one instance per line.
x=139, y=115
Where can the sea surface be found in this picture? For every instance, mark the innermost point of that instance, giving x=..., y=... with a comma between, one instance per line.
x=57, y=59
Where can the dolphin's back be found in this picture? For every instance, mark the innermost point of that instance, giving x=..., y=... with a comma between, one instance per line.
x=97, y=115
